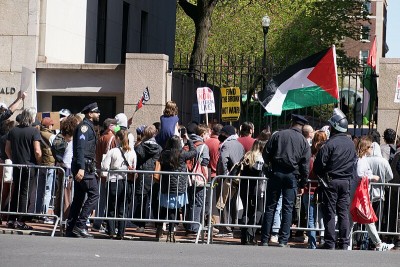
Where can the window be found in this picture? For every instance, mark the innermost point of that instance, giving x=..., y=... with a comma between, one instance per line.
x=364, y=57
x=365, y=33
x=125, y=24
x=101, y=31
x=367, y=6
x=143, y=32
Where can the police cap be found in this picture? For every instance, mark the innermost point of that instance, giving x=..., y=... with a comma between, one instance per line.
x=91, y=108
x=299, y=119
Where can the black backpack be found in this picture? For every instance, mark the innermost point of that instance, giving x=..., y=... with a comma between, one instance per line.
x=58, y=147
x=392, y=152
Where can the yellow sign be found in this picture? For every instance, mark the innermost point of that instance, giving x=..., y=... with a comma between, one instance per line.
x=230, y=98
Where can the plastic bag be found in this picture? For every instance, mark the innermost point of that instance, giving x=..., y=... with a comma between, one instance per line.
x=361, y=208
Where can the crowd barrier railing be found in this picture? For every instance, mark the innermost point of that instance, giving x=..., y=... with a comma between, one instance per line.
x=145, y=199
x=29, y=191
x=233, y=194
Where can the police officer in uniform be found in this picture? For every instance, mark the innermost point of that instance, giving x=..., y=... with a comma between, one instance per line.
x=334, y=165
x=289, y=154
x=84, y=170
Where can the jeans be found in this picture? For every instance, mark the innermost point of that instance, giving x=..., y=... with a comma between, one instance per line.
x=100, y=209
x=41, y=190
x=314, y=216
x=277, y=217
x=285, y=184
x=195, y=207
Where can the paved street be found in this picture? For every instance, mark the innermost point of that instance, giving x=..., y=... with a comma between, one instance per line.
x=25, y=250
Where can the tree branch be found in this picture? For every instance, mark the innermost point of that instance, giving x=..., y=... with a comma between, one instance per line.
x=189, y=9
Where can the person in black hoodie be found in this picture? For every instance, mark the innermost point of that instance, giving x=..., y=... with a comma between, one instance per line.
x=147, y=152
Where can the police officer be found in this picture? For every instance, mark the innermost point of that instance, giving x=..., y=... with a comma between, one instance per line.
x=289, y=154
x=83, y=169
x=334, y=166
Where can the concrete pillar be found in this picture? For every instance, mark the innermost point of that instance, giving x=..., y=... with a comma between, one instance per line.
x=141, y=71
x=388, y=111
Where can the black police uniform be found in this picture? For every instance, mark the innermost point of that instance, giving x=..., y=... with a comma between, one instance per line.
x=84, y=150
x=289, y=155
x=334, y=163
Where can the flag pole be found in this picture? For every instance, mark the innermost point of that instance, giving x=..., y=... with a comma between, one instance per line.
x=207, y=119
x=397, y=127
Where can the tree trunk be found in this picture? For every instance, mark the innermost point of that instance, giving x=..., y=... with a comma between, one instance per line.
x=201, y=16
x=200, y=41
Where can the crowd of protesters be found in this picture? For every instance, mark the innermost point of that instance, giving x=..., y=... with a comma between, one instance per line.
x=311, y=173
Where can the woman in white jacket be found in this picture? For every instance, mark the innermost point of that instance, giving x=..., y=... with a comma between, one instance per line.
x=364, y=149
x=118, y=187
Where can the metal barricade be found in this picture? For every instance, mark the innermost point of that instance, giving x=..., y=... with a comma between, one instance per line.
x=230, y=192
x=145, y=198
x=385, y=199
x=31, y=192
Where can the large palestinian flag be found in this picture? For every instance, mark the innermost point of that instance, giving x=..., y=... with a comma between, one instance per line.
x=370, y=86
x=309, y=82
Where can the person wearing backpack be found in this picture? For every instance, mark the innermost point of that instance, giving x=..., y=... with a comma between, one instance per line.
x=62, y=152
x=148, y=152
x=45, y=179
x=196, y=191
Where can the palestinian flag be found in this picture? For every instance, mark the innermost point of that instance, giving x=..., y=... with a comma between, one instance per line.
x=370, y=86
x=310, y=82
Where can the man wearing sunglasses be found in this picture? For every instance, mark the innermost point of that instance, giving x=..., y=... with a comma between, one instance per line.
x=84, y=169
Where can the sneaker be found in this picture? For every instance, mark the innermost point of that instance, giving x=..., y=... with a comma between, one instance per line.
x=140, y=230
x=215, y=231
x=22, y=226
x=385, y=247
x=225, y=234
x=159, y=232
x=274, y=238
x=282, y=245
x=48, y=220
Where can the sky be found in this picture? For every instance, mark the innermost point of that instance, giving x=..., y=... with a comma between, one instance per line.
x=392, y=30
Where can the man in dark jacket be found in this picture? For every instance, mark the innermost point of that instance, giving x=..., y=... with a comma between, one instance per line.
x=147, y=152
x=334, y=164
x=289, y=155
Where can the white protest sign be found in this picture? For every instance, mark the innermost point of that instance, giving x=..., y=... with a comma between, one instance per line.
x=205, y=100
x=397, y=94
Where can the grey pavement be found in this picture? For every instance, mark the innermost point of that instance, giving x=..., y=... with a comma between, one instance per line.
x=25, y=250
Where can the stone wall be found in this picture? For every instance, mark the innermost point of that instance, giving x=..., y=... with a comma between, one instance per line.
x=388, y=111
x=141, y=71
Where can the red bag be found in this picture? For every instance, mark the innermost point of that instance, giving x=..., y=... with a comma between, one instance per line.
x=361, y=208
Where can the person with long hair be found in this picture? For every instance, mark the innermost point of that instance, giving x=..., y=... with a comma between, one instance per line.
x=169, y=123
x=23, y=147
x=309, y=196
x=119, y=188
x=252, y=192
x=364, y=149
x=174, y=186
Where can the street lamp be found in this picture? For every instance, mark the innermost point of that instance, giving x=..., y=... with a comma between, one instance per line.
x=265, y=24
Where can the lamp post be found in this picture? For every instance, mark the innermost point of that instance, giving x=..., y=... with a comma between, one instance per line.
x=265, y=24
